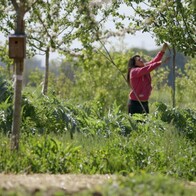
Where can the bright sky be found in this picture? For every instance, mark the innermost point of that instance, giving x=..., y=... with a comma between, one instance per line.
x=139, y=40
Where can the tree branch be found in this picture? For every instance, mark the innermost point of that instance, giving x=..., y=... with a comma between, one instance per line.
x=185, y=23
x=46, y=30
x=15, y=4
x=31, y=5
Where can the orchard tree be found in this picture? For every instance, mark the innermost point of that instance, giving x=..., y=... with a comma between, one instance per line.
x=15, y=21
x=46, y=23
x=56, y=25
x=21, y=8
x=171, y=21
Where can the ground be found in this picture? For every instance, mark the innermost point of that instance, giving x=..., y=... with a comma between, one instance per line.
x=50, y=184
x=70, y=183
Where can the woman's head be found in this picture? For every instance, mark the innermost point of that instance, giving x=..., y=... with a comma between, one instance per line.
x=134, y=61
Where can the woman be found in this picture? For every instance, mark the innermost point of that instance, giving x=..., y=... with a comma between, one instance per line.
x=139, y=79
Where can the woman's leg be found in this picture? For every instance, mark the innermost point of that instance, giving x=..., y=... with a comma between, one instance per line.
x=135, y=107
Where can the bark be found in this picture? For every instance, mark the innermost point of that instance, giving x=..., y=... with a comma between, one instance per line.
x=45, y=86
x=19, y=64
x=17, y=105
x=174, y=78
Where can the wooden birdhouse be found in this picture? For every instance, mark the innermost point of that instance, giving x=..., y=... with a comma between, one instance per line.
x=17, y=46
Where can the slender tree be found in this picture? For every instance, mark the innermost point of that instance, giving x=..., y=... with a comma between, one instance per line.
x=46, y=23
x=20, y=7
x=168, y=21
x=19, y=64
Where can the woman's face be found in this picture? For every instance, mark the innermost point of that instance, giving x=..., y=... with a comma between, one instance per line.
x=139, y=62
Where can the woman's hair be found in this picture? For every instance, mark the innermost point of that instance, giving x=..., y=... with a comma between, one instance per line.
x=131, y=64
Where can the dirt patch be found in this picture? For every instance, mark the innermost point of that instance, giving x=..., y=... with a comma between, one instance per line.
x=70, y=183
x=50, y=184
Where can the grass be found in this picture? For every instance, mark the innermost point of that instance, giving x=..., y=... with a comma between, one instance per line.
x=155, y=153
x=154, y=147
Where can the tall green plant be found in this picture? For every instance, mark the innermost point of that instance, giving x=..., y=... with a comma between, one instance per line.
x=5, y=60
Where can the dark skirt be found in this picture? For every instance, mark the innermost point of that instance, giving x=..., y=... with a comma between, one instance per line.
x=138, y=107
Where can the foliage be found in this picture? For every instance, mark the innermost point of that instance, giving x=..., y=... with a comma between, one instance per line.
x=5, y=89
x=93, y=120
x=170, y=21
x=160, y=78
x=104, y=139
x=32, y=75
x=143, y=184
x=46, y=115
x=185, y=84
x=39, y=156
x=62, y=23
x=94, y=78
x=101, y=141
x=4, y=59
x=6, y=114
x=35, y=78
x=183, y=119
x=82, y=126
x=5, y=105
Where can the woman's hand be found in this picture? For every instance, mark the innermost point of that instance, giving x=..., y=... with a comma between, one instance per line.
x=165, y=46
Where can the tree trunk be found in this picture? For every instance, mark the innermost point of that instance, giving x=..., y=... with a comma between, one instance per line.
x=45, y=87
x=174, y=78
x=17, y=105
x=19, y=64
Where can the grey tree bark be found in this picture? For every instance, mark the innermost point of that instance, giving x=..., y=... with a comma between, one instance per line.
x=174, y=78
x=45, y=86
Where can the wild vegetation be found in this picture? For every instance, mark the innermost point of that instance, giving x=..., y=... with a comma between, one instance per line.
x=73, y=117
x=89, y=131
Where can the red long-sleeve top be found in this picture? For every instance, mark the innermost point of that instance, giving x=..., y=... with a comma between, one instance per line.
x=140, y=79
